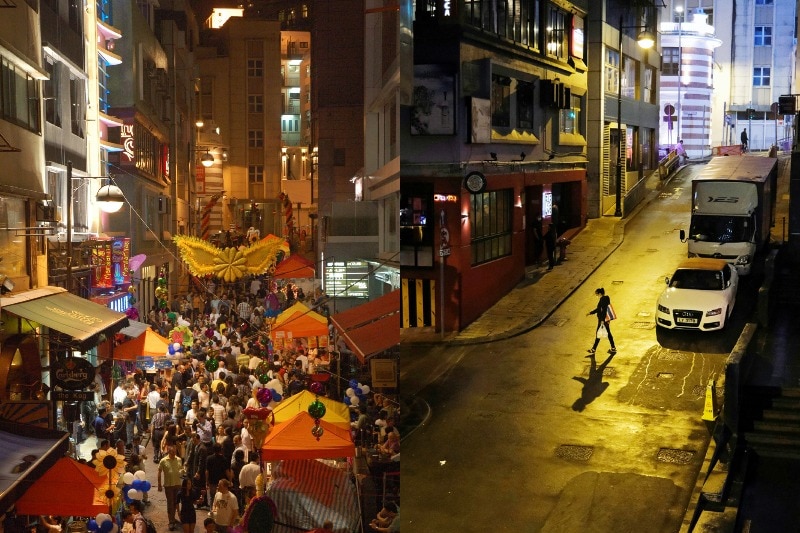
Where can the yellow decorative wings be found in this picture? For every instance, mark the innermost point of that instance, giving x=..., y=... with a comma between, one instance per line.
x=230, y=264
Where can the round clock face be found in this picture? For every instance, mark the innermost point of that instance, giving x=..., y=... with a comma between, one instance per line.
x=475, y=182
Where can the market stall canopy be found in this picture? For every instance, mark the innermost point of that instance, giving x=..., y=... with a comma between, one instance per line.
x=68, y=488
x=150, y=343
x=134, y=328
x=336, y=413
x=371, y=328
x=292, y=439
x=304, y=492
x=300, y=321
x=294, y=266
x=374, y=338
x=65, y=313
x=26, y=453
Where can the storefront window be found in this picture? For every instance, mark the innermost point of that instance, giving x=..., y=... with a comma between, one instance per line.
x=490, y=223
x=416, y=226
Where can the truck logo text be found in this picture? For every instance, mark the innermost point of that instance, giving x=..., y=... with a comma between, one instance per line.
x=723, y=199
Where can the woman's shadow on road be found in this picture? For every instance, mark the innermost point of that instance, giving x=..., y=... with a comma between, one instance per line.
x=593, y=386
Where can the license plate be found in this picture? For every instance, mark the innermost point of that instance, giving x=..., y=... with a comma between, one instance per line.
x=681, y=320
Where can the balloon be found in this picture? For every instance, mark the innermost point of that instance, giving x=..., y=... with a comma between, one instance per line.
x=353, y=383
x=264, y=396
x=171, y=350
x=316, y=387
x=132, y=494
x=350, y=392
x=354, y=401
x=105, y=527
x=137, y=484
x=91, y=525
x=365, y=389
x=127, y=478
x=103, y=517
x=347, y=400
x=146, y=486
x=209, y=333
x=317, y=431
x=140, y=474
x=276, y=397
x=177, y=346
x=212, y=364
x=316, y=409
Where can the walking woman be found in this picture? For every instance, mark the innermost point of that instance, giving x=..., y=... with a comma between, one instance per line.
x=602, y=321
x=185, y=504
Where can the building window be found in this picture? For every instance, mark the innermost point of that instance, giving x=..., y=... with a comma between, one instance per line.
x=761, y=76
x=290, y=125
x=557, y=38
x=255, y=68
x=52, y=111
x=649, y=92
x=76, y=98
x=416, y=225
x=255, y=173
x=255, y=138
x=207, y=98
x=501, y=101
x=612, y=71
x=490, y=225
x=630, y=70
x=19, y=97
x=524, y=105
x=670, y=61
x=255, y=103
x=514, y=20
x=764, y=2
x=763, y=36
x=571, y=118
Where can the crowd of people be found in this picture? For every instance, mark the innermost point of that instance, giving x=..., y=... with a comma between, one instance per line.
x=192, y=415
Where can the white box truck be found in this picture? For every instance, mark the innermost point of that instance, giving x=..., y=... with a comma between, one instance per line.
x=733, y=209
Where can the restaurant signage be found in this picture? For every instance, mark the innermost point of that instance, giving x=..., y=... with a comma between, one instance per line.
x=72, y=373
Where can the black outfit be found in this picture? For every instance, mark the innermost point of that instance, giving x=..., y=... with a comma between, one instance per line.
x=601, y=311
x=185, y=503
x=744, y=140
x=550, y=246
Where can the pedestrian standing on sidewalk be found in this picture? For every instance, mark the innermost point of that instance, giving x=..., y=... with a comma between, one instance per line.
x=602, y=320
x=170, y=469
x=159, y=427
x=550, y=239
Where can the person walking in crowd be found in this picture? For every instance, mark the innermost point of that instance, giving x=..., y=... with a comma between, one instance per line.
x=601, y=311
x=184, y=501
x=170, y=469
x=225, y=509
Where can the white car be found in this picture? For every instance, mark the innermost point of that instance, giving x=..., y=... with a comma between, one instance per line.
x=700, y=295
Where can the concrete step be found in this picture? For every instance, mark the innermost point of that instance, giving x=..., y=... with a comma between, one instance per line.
x=775, y=426
x=778, y=452
x=757, y=440
x=787, y=416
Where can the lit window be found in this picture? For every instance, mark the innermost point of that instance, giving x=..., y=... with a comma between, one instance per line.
x=612, y=71
x=571, y=118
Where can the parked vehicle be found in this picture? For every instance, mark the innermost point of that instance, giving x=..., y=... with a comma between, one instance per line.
x=733, y=209
x=700, y=295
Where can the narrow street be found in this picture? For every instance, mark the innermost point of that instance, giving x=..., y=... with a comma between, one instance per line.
x=529, y=434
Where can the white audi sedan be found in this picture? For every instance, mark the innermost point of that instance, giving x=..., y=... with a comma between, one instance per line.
x=700, y=295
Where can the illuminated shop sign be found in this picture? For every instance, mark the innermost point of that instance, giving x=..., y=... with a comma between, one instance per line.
x=347, y=278
x=445, y=198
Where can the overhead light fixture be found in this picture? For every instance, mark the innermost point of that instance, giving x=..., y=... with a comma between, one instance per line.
x=110, y=198
x=207, y=160
x=646, y=39
x=199, y=123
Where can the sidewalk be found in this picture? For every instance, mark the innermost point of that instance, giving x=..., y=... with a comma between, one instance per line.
x=537, y=296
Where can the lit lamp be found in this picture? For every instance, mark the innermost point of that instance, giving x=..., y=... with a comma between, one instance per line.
x=207, y=160
x=646, y=40
x=110, y=198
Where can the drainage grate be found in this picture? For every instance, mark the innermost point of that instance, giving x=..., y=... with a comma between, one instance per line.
x=651, y=250
x=617, y=282
x=699, y=390
x=643, y=325
x=678, y=457
x=576, y=453
x=665, y=375
x=671, y=356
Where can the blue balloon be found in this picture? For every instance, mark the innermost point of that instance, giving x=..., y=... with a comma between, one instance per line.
x=276, y=397
x=171, y=350
x=347, y=400
x=353, y=384
x=106, y=526
x=91, y=525
x=137, y=484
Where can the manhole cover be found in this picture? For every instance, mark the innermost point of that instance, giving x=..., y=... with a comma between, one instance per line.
x=678, y=457
x=643, y=325
x=698, y=390
x=576, y=453
x=665, y=375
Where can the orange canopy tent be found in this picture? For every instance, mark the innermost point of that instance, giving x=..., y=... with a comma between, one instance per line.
x=300, y=321
x=294, y=266
x=293, y=440
x=68, y=488
x=336, y=413
x=148, y=343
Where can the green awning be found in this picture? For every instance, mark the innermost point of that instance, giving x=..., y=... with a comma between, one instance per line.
x=65, y=313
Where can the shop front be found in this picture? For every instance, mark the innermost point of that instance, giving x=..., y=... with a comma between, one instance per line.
x=467, y=240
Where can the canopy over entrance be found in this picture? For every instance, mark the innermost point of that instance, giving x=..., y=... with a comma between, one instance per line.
x=69, y=488
x=65, y=313
x=150, y=343
x=371, y=328
x=293, y=440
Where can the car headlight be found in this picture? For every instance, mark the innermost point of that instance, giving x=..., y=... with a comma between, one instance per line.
x=714, y=312
x=743, y=260
x=663, y=309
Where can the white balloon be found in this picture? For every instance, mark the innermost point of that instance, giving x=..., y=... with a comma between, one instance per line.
x=350, y=392
x=102, y=517
x=354, y=401
x=364, y=389
x=127, y=478
x=140, y=475
x=134, y=494
x=176, y=346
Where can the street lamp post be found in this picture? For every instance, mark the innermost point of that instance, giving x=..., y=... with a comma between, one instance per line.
x=645, y=40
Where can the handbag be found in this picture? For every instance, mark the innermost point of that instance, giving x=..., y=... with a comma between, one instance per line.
x=610, y=313
x=602, y=332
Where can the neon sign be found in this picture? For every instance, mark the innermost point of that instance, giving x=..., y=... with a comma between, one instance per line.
x=445, y=198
